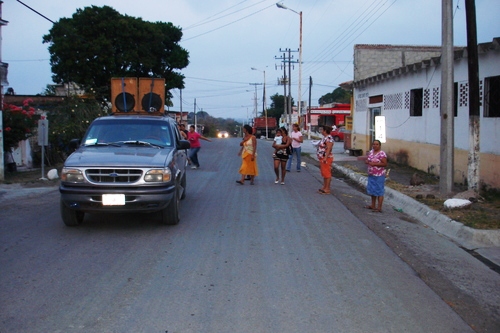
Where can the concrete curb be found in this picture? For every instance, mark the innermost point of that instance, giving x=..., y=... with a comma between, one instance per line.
x=468, y=238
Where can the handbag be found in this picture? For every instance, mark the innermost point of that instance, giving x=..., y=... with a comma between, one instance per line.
x=289, y=150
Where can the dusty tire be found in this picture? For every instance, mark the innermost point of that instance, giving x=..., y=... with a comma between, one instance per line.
x=70, y=217
x=170, y=214
x=336, y=138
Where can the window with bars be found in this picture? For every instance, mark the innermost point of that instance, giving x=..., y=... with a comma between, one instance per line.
x=416, y=96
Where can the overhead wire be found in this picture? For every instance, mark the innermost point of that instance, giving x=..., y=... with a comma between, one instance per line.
x=227, y=24
x=343, y=39
x=209, y=19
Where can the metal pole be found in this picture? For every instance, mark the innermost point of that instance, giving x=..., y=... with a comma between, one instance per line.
x=309, y=110
x=2, y=162
x=300, y=69
x=255, y=101
x=474, y=116
x=180, y=91
x=284, y=89
x=290, y=106
x=447, y=144
x=264, y=104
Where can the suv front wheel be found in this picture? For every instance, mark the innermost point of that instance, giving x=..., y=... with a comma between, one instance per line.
x=170, y=214
x=71, y=217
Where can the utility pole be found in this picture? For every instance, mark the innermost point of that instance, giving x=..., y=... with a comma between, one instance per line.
x=180, y=100
x=474, y=118
x=255, y=97
x=288, y=105
x=308, y=121
x=195, y=115
x=283, y=81
x=447, y=144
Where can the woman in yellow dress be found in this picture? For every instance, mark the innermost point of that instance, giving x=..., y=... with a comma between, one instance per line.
x=248, y=153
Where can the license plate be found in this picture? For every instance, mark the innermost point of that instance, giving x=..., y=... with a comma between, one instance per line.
x=113, y=199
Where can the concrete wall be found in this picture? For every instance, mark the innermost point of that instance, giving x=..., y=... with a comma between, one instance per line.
x=370, y=60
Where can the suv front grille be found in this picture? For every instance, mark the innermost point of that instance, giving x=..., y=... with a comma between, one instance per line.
x=114, y=175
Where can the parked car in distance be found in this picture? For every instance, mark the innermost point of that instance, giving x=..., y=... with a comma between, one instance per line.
x=223, y=134
x=338, y=134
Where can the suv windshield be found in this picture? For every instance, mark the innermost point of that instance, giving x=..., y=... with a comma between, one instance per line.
x=124, y=131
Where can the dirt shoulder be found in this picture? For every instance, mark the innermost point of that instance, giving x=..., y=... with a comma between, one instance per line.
x=484, y=213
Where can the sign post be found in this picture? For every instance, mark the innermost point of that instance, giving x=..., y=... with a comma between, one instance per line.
x=43, y=139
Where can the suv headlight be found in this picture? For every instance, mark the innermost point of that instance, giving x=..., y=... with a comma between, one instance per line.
x=158, y=175
x=72, y=175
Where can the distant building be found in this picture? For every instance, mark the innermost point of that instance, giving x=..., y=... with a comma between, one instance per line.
x=403, y=83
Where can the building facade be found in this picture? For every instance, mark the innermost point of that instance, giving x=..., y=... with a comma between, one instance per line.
x=409, y=97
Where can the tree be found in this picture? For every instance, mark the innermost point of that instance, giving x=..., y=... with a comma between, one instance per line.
x=18, y=124
x=277, y=107
x=339, y=95
x=99, y=43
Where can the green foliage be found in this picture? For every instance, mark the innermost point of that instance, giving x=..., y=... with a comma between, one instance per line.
x=18, y=123
x=339, y=95
x=277, y=107
x=70, y=121
x=98, y=43
x=50, y=90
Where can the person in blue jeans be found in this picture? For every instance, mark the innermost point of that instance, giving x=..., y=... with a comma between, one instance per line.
x=297, y=140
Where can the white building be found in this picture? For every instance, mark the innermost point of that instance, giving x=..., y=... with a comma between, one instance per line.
x=403, y=83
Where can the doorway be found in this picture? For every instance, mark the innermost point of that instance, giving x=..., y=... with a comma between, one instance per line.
x=374, y=112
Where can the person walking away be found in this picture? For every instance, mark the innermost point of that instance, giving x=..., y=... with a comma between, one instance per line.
x=376, y=161
x=325, y=158
x=282, y=154
x=194, y=140
x=297, y=140
x=248, y=153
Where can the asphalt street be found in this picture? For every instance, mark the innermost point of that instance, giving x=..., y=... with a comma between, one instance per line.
x=262, y=258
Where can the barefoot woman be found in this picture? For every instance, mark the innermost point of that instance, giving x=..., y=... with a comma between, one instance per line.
x=377, y=161
x=248, y=154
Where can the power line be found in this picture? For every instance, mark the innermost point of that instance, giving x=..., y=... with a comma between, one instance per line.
x=225, y=25
x=208, y=19
x=45, y=17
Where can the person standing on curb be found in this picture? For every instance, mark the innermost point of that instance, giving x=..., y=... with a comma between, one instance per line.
x=376, y=161
x=325, y=158
x=297, y=140
x=194, y=140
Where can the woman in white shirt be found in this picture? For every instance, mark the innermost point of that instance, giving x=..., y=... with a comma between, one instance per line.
x=297, y=140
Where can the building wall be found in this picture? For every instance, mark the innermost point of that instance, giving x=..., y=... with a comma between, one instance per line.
x=371, y=60
x=416, y=140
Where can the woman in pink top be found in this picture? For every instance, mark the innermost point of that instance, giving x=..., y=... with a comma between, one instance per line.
x=377, y=161
x=194, y=139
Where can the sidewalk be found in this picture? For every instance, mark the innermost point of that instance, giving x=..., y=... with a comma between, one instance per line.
x=484, y=242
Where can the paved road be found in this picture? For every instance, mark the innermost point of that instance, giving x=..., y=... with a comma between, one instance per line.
x=263, y=258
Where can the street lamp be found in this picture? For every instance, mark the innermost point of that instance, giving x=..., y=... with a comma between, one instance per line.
x=264, y=109
x=282, y=6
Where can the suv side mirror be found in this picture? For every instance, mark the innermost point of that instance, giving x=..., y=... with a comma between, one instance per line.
x=183, y=144
x=74, y=144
